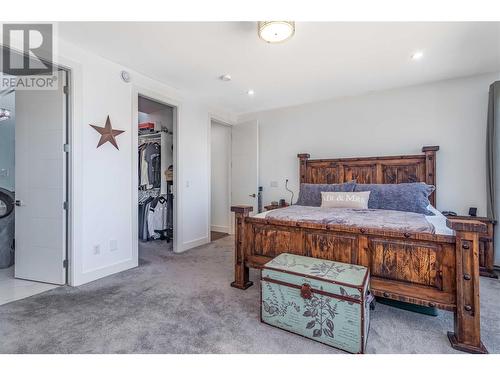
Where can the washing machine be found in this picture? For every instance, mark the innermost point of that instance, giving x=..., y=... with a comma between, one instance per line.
x=6, y=228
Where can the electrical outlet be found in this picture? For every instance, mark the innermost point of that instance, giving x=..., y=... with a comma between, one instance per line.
x=274, y=184
x=97, y=249
x=113, y=245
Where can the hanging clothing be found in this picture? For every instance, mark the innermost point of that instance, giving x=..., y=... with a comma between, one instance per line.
x=152, y=155
x=143, y=218
x=155, y=210
x=143, y=168
x=149, y=155
x=157, y=216
x=154, y=171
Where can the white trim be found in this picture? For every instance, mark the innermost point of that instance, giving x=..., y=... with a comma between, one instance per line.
x=194, y=243
x=221, y=228
x=75, y=193
x=150, y=94
x=107, y=270
x=215, y=118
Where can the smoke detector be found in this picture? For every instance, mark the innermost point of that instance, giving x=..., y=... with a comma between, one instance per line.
x=125, y=76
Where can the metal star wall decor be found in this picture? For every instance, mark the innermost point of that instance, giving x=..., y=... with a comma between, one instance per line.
x=107, y=133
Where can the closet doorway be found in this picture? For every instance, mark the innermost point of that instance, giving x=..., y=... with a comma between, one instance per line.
x=220, y=180
x=156, y=182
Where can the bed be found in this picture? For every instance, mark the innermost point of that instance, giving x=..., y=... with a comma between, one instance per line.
x=436, y=268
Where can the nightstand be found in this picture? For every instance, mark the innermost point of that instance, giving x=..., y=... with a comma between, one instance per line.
x=274, y=206
x=486, y=246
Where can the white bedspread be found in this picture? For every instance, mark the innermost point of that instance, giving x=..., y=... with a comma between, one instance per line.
x=438, y=221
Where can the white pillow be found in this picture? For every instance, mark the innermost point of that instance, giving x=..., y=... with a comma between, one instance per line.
x=345, y=199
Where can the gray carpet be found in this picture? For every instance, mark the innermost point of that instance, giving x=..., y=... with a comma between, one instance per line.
x=182, y=303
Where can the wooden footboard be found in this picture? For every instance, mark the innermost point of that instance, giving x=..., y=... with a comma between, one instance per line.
x=425, y=269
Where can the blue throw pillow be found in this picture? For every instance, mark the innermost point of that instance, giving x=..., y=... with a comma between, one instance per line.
x=409, y=197
x=310, y=194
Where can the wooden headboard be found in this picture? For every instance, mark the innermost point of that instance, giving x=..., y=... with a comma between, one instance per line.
x=372, y=170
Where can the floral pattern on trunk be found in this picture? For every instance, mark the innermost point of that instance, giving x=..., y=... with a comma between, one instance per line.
x=273, y=307
x=322, y=313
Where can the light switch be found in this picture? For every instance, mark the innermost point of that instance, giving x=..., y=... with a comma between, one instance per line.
x=113, y=245
x=274, y=184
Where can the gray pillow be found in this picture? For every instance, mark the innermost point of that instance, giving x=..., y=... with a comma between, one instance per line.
x=310, y=194
x=409, y=197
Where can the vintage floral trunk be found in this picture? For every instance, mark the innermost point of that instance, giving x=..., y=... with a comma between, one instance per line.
x=319, y=299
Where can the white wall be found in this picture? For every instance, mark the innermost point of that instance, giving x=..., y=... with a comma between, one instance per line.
x=7, y=144
x=451, y=114
x=102, y=185
x=220, y=178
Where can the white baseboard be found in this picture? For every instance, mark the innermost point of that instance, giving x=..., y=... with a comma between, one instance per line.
x=99, y=273
x=221, y=228
x=194, y=243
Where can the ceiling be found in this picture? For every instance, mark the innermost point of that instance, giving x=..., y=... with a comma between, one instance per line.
x=322, y=61
x=150, y=106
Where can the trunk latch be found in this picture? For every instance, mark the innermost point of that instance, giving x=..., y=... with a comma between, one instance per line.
x=305, y=291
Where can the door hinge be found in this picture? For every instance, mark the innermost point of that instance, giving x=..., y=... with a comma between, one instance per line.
x=65, y=205
x=66, y=147
x=65, y=263
x=66, y=90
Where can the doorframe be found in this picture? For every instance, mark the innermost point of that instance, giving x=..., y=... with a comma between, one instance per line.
x=215, y=118
x=168, y=101
x=68, y=170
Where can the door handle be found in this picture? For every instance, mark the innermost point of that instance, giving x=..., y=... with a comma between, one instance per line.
x=252, y=195
x=19, y=203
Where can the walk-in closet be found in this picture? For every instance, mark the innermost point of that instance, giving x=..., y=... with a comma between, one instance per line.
x=155, y=173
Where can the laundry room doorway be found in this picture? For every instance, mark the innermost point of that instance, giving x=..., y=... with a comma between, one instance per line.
x=34, y=201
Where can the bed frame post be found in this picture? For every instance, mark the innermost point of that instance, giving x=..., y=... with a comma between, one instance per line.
x=430, y=169
x=241, y=272
x=467, y=335
x=303, y=166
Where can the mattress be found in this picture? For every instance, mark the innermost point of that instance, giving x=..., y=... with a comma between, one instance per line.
x=391, y=219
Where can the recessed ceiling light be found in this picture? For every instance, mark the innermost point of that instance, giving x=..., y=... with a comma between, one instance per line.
x=251, y=92
x=275, y=31
x=225, y=77
x=417, y=55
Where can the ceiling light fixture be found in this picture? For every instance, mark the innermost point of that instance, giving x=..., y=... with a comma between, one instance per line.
x=417, y=55
x=251, y=92
x=4, y=114
x=225, y=77
x=276, y=31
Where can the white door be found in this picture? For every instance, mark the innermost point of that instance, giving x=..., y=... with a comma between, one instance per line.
x=40, y=179
x=245, y=164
